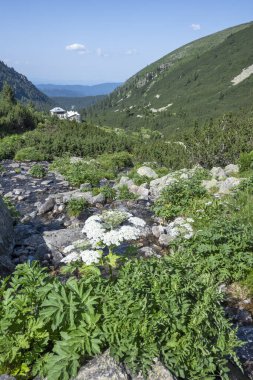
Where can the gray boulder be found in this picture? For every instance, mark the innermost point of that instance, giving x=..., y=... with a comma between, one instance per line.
x=211, y=184
x=124, y=180
x=231, y=169
x=47, y=206
x=57, y=240
x=6, y=238
x=229, y=184
x=146, y=171
x=218, y=173
x=157, y=185
x=104, y=367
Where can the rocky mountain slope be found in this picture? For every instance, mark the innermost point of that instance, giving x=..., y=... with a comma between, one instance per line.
x=201, y=80
x=24, y=90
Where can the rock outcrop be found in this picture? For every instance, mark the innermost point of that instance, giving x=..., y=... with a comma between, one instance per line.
x=104, y=367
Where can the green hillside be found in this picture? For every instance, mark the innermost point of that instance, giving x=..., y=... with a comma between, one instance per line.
x=24, y=90
x=193, y=83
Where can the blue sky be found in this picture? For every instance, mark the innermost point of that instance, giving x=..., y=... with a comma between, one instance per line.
x=95, y=41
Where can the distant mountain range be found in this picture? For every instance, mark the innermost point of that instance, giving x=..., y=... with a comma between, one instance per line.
x=24, y=90
x=55, y=90
x=201, y=80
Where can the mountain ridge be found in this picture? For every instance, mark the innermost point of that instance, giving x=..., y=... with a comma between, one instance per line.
x=24, y=90
x=61, y=90
x=188, y=85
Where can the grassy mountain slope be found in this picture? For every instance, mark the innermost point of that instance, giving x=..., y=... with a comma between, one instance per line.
x=55, y=90
x=24, y=90
x=192, y=83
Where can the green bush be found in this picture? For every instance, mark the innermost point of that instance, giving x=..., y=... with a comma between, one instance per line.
x=75, y=206
x=137, y=178
x=9, y=146
x=109, y=193
x=116, y=161
x=47, y=327
x=124, y=194
x=245, y=161
x=176, y=198
x=29, y=154
x=91, y=170
x=37, y=171
x=162, y=308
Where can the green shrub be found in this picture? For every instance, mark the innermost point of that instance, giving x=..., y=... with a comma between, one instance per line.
x=81, y=172
x=124, y=194
x=9, y=145
x=47, y=327
x=109, y=193
x=248, y=282
x=245, y=161
x=161, y=308
x=29, y=154
x=75, y=206
x=37, y=171
x=178, y=197
x=116, y=161
x=137, y=178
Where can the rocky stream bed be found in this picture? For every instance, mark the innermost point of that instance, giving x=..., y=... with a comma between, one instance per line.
x=44, y=230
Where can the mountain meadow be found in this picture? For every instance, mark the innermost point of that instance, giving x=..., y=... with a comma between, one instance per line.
x=126, y=239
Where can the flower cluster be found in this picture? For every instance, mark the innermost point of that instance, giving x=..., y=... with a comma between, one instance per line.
x=180, y=226
x=96, y=231
x=87, y=256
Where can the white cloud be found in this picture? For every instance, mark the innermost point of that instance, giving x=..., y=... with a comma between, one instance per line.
x=195, y=26
x=131, y=52
x=76, y=47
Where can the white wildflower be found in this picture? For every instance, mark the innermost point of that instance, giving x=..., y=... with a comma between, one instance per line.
x=68, y=249
x=74, y=256
x=90, y=257
x=137, y=221
x=95, y=228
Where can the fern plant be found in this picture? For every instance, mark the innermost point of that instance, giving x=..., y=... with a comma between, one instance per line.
x=45, y=322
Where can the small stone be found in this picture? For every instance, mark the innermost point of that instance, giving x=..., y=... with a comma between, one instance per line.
x=47, y=206
x=17, y=191
x=46, y=182
x=147, y=251
x=157, y=231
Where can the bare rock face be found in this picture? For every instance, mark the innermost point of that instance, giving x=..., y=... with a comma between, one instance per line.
x=6, y=238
